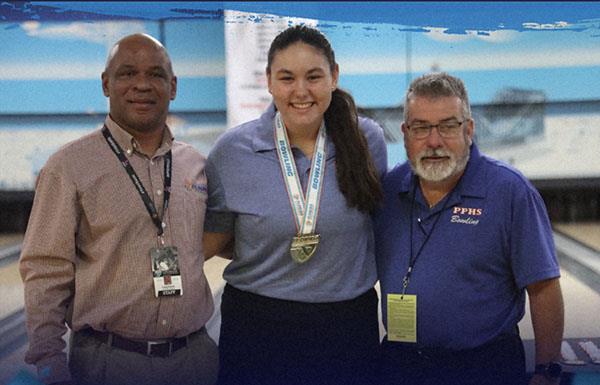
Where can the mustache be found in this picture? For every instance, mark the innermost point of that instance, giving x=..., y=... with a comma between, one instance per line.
x=434, y=152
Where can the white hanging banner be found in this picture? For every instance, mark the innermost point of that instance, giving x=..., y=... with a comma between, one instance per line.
x=248, y=37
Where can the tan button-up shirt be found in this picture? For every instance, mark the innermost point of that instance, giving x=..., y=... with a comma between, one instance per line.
x=86, y=254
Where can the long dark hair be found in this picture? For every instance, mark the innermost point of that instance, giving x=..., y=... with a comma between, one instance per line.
x=356, y=173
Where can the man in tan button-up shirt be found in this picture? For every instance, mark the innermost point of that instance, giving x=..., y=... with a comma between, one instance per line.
x=86, y=259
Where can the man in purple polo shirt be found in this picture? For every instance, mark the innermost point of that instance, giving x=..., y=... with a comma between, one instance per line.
x=460, y=239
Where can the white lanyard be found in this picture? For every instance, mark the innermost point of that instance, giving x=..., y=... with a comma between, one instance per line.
x=305, y=210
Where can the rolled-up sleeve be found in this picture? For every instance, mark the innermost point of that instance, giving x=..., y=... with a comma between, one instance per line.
x=47, y=269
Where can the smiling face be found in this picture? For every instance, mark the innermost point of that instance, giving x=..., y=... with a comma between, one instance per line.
x=301, y=82
x=437, y=159
x=140, y=84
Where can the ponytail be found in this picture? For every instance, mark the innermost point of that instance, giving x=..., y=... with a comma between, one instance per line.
x=356, y=174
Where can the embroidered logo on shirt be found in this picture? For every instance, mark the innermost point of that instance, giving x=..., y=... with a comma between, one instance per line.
x=466, y=215
x=198, y=187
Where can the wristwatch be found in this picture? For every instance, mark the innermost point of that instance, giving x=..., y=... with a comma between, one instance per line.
x=551, y=370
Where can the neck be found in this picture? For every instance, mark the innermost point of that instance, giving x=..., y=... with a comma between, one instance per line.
x=304, y=139
x=434, y=192
x=149, y=141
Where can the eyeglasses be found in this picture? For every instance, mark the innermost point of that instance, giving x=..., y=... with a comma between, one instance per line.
x=447, y=130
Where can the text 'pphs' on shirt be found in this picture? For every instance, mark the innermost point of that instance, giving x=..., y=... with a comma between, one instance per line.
x=459, y=213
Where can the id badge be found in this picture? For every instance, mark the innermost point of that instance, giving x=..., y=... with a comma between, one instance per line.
x=165, y=270
x=402, y=317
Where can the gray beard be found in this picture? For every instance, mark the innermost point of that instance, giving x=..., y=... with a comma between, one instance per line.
x=440, y=172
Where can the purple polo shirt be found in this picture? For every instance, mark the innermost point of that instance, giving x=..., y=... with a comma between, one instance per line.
x=492, y=239
x=247, y=197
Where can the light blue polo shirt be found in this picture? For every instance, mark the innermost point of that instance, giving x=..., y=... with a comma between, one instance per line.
x=491, y=240
x=247, y=197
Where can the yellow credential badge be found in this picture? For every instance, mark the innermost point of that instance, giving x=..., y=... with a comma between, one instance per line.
x=402, y=317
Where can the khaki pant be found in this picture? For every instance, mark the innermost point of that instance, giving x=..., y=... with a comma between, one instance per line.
x=95, y=363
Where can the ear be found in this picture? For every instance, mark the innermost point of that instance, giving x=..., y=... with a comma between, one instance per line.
x=173, y=87
x=404, y=128
x=269, y=82
x=470, y=130
x=105, y=84
x=335, y=75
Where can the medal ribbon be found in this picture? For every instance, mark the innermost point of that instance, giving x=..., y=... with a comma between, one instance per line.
x=305, y=210
x=114, y=146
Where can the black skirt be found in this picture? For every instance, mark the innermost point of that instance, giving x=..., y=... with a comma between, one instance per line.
x=270, y=341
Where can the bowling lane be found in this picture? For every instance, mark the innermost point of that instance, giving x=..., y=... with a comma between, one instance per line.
x=582, y=318
x=11, y=287
x=587, y=233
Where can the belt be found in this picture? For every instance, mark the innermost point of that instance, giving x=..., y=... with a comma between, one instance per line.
x=447, y=355
x=157, y=348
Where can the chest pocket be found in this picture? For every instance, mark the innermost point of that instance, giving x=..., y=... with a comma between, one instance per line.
x=186, y=216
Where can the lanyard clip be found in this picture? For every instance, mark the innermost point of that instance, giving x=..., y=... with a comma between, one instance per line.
x=405, y=284
x=405, y=281
x=161, y=233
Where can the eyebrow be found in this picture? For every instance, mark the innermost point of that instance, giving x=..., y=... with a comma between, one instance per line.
x=283, y=71
x=312, y=70
x=440, y=121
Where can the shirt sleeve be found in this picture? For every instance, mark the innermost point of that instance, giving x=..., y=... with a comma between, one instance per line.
x=377, y=146
x=532, y=251
x=218, y=217
x=47, y=269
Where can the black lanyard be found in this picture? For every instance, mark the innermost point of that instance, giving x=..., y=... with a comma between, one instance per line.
x=413, y=257
x=114, y=146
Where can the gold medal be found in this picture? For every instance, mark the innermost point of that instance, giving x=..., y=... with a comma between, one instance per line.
x=304, y=246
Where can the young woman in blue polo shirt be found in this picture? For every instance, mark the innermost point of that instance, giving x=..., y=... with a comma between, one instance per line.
x=294, y=190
